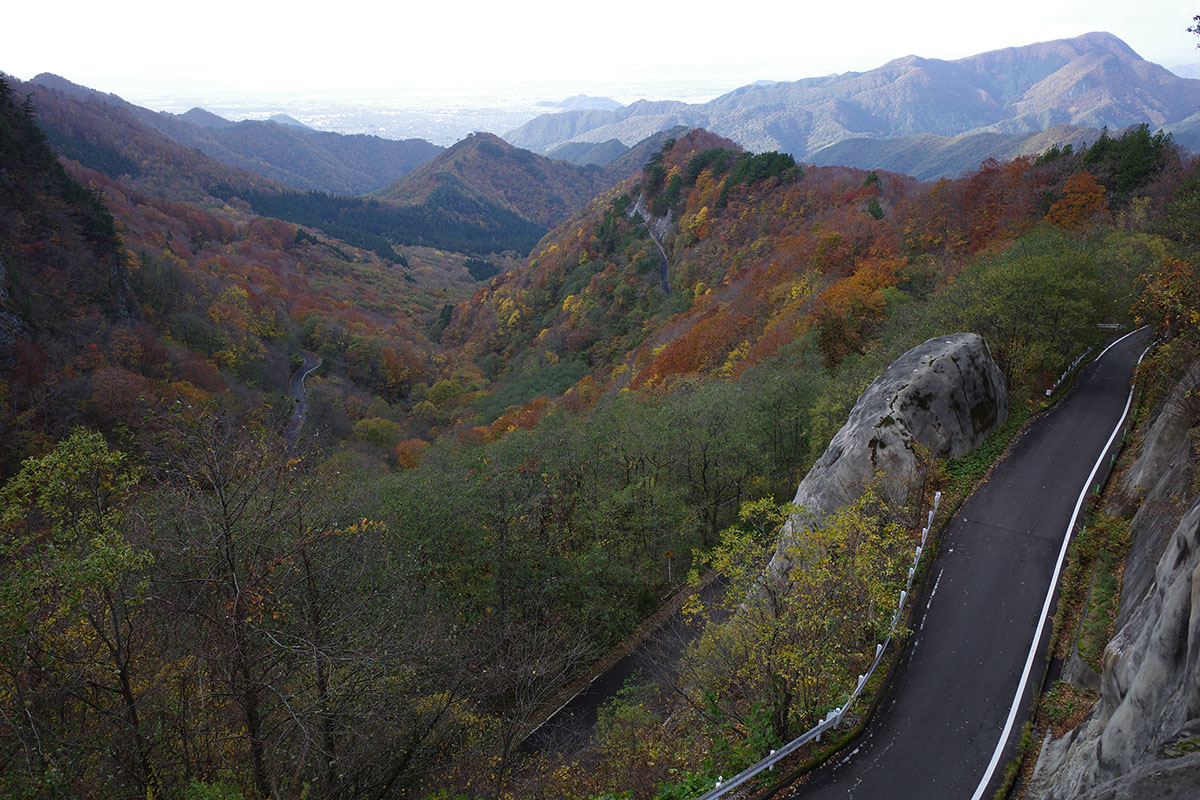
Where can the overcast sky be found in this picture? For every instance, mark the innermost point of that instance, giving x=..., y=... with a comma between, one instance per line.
x=125, y=45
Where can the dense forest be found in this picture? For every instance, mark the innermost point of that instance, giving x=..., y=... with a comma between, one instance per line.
x=479, y=507
x=449, y=219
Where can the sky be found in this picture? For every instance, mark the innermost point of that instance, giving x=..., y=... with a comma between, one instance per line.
x=142, y=48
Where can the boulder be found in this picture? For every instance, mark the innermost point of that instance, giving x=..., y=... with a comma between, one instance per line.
x=945, y=395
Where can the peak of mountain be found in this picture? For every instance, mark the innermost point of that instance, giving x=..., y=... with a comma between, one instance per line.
x=1092, y=80
x=75, y=90
x=582, y=102
x=205, y=119
x=284, y=119
x=485, y=167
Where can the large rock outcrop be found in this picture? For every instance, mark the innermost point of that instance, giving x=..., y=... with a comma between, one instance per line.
x=1142, y=739
x=946, y=395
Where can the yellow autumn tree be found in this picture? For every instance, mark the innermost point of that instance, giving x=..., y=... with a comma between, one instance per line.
x=777, y=651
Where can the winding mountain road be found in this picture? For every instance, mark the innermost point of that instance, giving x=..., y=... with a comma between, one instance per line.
x=296, y=391
x=664, y=266
x=947, y=726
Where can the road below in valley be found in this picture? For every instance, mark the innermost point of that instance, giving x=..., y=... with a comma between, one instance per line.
x=650, y=661
x=296, y=391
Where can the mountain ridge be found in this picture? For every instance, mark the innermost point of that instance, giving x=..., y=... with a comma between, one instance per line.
x=289, y=153
x=1092, y=80
x=483, y=166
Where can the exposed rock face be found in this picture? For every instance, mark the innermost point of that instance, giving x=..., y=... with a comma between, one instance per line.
x=1157, y=485
x=1142, y=739
x=946, y=395
x=660, y=227
x=11, y=326
x=1158, y=448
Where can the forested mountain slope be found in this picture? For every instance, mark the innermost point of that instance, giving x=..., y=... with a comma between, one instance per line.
x=929, y=157
x=295, y=156
x=484, y=166
x=761, y=253
x=117, y=291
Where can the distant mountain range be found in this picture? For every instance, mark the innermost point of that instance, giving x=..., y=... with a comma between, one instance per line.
x=582, y=102
x=106, y=134
x=928, y=156
x=282, y=149
x=1089, y=81
x=480, y=196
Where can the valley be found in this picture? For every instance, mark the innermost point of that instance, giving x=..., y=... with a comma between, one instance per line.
x=335, y=463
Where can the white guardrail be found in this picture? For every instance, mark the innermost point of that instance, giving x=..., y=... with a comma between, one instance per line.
x=1068, y=371
x=834, y=717
x=1104, y=326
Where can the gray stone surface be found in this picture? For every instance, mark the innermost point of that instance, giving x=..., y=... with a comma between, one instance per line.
x=1176, y=415
x=660, y=227
x=1079, y=674
x=1158, y=486
x=1142, y=739
x=11, y=326
x=946, y=395
x=1153, y=524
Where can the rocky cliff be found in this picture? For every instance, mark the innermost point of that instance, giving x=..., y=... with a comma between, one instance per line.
x=945, y=395
x=1142, y=739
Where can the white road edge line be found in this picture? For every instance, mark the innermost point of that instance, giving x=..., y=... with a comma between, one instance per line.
x=1062, y=554
x=1118, y=341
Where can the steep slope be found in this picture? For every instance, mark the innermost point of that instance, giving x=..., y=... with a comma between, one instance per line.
x=136, y=285
x=485, y=167
x=759, y=252
x=111, y=139
x=58, y=244
x=1091, y=80
x=291, y=154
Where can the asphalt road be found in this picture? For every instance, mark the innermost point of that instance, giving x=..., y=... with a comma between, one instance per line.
x=664, y=277
x=652, y=661
x=296, y=391
x=940, y=725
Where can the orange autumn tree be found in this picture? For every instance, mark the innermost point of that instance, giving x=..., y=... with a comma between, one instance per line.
x=850, y=309
x=702, y=347
x=1082, y=200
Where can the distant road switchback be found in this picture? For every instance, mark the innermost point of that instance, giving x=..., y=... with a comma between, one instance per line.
x=296, y=391
x=938, y=732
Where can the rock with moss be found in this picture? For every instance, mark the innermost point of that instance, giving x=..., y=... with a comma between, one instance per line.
x=945, y=396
